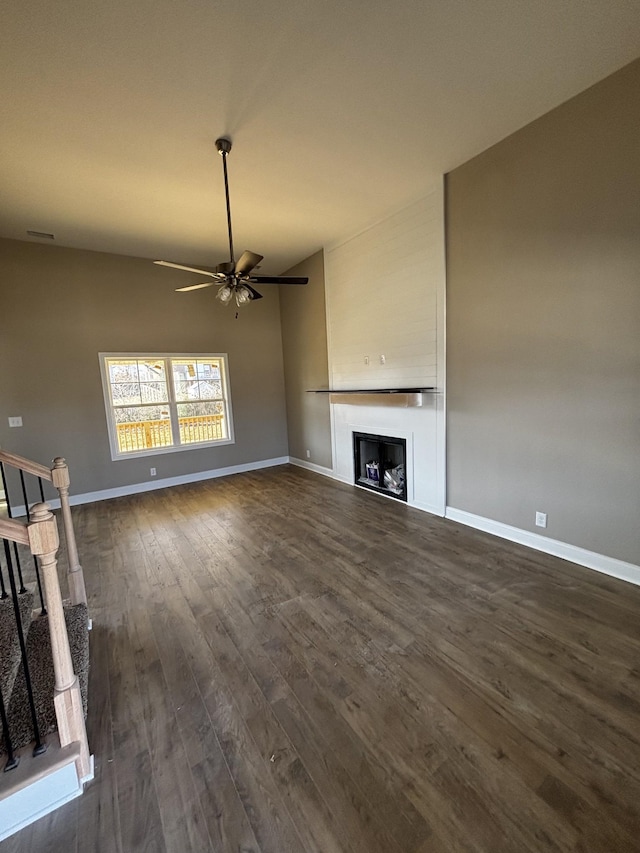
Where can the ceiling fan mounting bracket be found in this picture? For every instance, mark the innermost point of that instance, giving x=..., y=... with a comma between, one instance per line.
x=223, y=145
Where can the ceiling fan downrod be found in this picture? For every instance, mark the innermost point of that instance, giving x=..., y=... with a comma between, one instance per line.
x=224, y=146
x=231, y=278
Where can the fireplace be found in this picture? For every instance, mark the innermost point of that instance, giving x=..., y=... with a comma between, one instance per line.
x=379, y=464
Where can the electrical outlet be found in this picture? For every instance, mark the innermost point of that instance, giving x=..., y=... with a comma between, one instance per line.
x=541, y=519
x=383, y=359
x=15, y=422
x=308, y=454
x=366, y=360
x=152, y=471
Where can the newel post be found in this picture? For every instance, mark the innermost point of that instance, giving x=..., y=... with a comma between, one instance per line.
x=75, y=577
x=43, y=542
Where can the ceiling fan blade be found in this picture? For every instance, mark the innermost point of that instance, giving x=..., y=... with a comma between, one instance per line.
x=196, y=286
x=254, y=293
x=247, y=262
x=278, y=279
x=180, y=267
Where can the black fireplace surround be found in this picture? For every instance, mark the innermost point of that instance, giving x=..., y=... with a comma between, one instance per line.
x=379, y=464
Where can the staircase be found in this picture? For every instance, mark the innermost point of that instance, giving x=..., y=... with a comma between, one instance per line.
x=38, y=645
x=44, y=656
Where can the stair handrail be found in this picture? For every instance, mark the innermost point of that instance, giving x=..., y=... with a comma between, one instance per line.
x=58, y=475
x=40, y=535
x=14, y=531
x=27, y=465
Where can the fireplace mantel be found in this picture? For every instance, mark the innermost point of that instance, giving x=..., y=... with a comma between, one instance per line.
x=402, y=397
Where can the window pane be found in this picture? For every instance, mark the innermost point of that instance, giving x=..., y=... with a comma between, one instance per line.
x=197, y=380
x=123, y=370
x=184, y=389
x=210, y=390
x=142, y=428
x=153, y=392
x=139, y=414
x=125, y=394
x=201, y=422
x=152, y=371
x=134, y=382
x=209, y=370
x=195, y=390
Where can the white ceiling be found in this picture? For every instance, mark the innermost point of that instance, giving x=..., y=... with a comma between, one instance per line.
x=340, y=111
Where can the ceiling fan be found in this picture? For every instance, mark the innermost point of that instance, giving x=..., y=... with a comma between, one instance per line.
x=233, y=278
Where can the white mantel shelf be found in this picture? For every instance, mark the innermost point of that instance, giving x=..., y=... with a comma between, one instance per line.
x=399, y=397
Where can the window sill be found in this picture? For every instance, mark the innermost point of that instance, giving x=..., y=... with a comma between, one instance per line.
x=180, y=448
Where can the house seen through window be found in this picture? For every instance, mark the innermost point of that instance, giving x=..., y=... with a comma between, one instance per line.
x=160, y=403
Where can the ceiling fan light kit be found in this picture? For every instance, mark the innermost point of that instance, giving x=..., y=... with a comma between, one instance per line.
x=224, y=294
x=235, y=279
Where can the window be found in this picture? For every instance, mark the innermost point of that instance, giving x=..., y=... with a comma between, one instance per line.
x=163, y=403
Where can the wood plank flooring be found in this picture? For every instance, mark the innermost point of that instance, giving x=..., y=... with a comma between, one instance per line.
x=284, y=664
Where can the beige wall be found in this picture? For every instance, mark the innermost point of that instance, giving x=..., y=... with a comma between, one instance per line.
x=543, y=324
x=60, y=307
x=304, y=345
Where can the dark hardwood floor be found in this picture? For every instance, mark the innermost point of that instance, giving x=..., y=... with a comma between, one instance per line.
x=282, y=664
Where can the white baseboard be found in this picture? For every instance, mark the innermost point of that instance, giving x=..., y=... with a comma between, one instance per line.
x=423, y=507
x=151, y=485
x=310, y=466
x=430, y=508
x=590, y=559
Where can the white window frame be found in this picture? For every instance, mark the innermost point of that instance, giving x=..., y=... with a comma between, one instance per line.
x=167, y=357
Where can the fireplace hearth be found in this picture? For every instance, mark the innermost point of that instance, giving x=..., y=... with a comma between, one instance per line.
x=379, y=464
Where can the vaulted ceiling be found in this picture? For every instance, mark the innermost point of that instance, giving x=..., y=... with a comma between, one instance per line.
x=340, y=112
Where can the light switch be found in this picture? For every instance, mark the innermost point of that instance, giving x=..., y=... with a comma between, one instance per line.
x=15, y=422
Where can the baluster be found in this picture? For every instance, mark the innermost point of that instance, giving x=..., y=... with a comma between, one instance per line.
x=43, y=540
x=24, y=493
x=21, y=579
x=2, y=586
x=40, y=747
x=43, y=607
x=5, y=489
x=15, y=547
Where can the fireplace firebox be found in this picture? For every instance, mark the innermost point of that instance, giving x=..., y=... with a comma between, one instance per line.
x=379, y=463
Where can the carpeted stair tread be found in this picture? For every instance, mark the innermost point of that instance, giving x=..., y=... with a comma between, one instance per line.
x=42, y=675
x=9, y=642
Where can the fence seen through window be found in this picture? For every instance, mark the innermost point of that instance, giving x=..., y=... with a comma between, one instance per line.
x=171, y=402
